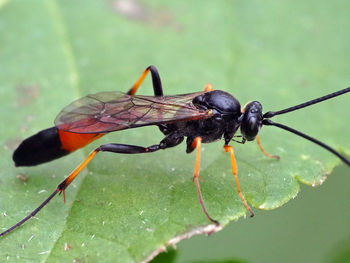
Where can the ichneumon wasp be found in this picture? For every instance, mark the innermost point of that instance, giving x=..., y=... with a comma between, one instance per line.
x=201, y=117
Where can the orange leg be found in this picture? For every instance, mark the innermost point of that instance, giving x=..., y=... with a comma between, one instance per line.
x=157, y=84
x=264, y=152
x=111, y=147
x=197, y=144
x=208, y=87
x=66, y=182
x=229, y=149
x=137, y=84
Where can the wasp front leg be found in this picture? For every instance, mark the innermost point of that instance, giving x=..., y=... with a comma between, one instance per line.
x=264, y=152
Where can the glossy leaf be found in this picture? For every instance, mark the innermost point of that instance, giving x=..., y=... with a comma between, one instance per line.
x=131, y=207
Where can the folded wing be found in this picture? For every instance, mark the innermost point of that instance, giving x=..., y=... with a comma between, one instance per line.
x=112, y=111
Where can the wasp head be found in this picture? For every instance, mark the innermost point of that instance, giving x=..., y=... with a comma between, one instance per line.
x=251, y=122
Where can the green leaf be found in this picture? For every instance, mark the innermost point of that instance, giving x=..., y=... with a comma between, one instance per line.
x=132, y=207
x=166, y=257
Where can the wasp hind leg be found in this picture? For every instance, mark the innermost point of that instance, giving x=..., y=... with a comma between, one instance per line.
x=157, y=84
x=169, y=141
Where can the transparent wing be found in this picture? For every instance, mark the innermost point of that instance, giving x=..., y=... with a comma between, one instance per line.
x=112, y=111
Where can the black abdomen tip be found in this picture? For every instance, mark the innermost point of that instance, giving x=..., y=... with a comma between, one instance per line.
x=39, y=148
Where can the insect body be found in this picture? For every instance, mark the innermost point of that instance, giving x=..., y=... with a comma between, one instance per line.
x=200, y=117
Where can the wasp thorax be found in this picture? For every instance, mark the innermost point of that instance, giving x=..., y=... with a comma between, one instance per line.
x=220, y=101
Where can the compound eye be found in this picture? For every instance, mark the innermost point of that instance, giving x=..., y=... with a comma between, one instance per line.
x=250, y=128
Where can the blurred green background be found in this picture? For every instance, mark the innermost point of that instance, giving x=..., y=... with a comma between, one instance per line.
x=54, y=51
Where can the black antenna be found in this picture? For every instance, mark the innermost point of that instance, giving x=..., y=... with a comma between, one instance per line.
x=270, y=114
x=307, y=137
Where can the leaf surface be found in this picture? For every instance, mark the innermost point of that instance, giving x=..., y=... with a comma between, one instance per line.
x=130, y=207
